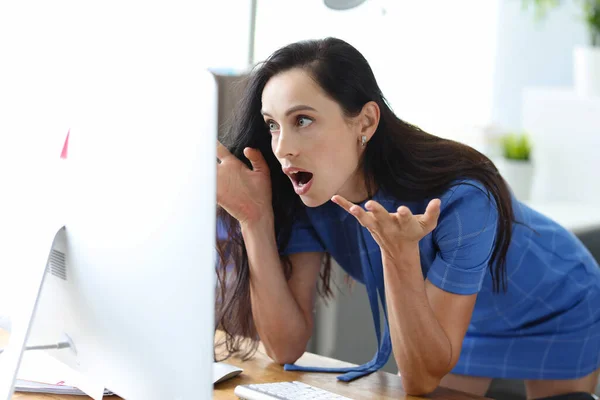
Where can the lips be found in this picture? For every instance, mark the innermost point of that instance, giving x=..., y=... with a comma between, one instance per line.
x=301, y=179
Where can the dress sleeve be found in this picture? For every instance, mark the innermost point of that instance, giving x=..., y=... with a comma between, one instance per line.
x=464, y=239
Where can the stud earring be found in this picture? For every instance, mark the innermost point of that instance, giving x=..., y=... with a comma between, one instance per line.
x=363, y=140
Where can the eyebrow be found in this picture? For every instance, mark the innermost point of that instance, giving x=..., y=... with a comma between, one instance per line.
x=300, y=107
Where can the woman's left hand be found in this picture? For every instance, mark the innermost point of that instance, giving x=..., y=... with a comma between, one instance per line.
x=392, y=231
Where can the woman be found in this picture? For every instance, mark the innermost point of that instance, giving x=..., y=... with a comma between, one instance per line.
x=475, y=285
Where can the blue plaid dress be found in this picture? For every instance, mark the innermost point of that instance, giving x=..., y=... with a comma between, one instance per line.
x=546, y=326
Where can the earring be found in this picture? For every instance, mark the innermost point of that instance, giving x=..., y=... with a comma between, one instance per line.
x=363, y=140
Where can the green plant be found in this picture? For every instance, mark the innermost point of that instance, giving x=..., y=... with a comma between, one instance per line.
x=516, y=146
x=590, y=8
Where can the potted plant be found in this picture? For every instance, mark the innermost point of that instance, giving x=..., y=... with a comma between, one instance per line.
x=586, y=59
x=516, y=166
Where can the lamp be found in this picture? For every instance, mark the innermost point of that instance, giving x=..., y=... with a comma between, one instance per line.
x=342, y=4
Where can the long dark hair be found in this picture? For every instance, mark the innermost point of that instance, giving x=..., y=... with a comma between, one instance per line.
x=400, y=158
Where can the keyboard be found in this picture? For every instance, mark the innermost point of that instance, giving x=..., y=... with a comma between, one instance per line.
x=284, y=391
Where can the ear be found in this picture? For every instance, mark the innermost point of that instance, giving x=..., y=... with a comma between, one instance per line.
x=368, y=119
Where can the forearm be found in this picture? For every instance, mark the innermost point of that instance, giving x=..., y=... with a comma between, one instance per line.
x=279, y=320
x=421, y=348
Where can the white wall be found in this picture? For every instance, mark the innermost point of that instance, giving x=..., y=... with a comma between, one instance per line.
x=446, y=66
x=532, y=53
x=433, y=59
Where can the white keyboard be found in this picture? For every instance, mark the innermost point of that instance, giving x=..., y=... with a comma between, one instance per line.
x=284, y=391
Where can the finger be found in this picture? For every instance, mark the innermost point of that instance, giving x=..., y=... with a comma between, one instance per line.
x=432, y=213
x=366, y=219
x=222, y=152
x=377, y=209
x=256, y=159
x=403, y=214
x=342, y=202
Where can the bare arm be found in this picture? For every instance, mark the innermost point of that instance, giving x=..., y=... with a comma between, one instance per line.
x=427, y=324
x=282, y=310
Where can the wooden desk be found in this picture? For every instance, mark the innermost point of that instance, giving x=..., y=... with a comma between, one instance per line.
x=379, y=385
x=260, y=369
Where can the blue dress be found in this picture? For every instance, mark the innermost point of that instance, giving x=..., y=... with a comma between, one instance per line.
x=547, y=324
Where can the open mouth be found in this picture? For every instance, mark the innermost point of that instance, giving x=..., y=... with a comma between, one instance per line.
x=301, y=178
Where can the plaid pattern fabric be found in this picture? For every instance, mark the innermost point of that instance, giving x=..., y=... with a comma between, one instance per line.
x=547, y=324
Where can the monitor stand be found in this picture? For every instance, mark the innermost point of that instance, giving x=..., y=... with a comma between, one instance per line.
x=22, y=321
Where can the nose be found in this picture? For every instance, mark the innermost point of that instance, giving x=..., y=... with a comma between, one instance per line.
x=285, y=145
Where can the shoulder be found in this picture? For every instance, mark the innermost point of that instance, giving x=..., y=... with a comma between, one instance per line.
x=467, y=197
x=465, y=191
x=467, y=207
x=464, y=238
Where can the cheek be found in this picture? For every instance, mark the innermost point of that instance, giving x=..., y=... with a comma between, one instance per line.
x=338, y=157
x=337, y=140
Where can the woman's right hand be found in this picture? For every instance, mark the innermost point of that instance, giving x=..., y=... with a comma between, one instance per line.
x=243, y=192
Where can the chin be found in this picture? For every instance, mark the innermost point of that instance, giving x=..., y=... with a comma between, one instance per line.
x=310, y=201
x=315, y=194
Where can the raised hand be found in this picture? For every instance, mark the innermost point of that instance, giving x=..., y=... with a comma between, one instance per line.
x=393, y=230
x=243, y=192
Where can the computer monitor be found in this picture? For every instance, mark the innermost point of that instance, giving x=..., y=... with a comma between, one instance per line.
x=130, y=279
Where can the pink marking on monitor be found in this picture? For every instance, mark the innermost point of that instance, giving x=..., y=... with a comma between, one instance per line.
x=65, y=149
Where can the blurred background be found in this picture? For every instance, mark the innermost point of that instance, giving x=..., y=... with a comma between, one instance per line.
x=519, y=80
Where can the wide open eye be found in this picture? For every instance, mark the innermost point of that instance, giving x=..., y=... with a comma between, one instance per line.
x=272, y=125
x=304, y=121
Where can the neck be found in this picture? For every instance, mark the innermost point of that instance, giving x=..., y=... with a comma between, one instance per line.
x=355, y=189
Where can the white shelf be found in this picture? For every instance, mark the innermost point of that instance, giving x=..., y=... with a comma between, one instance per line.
x=579, y=218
